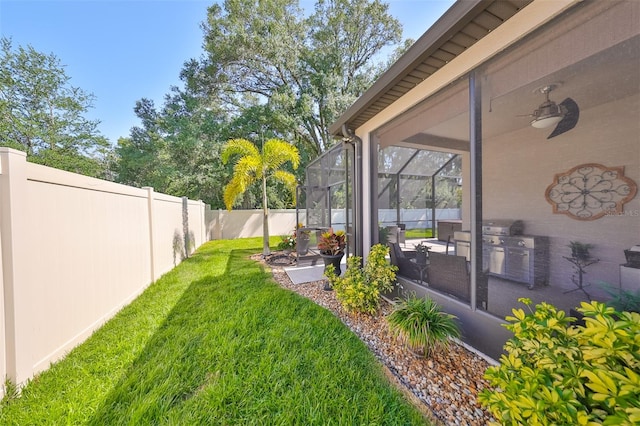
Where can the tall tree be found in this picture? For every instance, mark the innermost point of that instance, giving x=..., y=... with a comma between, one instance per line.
x=139, y=157
x=43, y=115
x=253, y=165
x=176, y=149
x=311, y=69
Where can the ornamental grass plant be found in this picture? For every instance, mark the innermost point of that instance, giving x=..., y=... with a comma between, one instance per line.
x=215, y=341
x=422, y=325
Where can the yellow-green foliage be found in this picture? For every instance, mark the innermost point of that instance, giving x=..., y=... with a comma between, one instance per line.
x=558, y=373
x=360, y=288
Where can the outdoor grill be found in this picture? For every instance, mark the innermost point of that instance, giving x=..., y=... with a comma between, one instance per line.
x=633, y=257
x=502, y=227
x=508, y=253
x=630, y=271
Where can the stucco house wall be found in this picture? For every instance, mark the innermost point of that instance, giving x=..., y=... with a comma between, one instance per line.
x=529, y=168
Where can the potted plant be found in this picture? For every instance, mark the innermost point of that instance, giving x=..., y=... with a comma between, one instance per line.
x=287, y=244
x=422, y=253
x=422, y=325
x=331, y=245
x=580, y=259
x=580, y=251
x=303, y=237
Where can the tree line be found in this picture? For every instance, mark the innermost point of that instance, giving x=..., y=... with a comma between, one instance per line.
x=269, y=71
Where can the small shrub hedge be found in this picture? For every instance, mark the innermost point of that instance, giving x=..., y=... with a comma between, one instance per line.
x=558, y=373
x=360, y=288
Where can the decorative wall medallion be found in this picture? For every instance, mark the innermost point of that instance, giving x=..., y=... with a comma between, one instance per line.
x=590, y=191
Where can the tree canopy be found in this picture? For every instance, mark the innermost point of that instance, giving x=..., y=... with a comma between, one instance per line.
x=270, y=70
x=306, y=68
x=42, y=114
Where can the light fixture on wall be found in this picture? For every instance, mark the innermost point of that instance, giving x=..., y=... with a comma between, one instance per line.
x=548, y=113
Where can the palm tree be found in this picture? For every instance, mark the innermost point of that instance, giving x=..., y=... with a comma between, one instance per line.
x=254, y=166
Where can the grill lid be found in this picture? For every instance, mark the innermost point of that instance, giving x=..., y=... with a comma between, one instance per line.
x=633, y=256
x=502, y=227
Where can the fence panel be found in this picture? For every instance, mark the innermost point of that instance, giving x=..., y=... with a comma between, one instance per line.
x=74, y=251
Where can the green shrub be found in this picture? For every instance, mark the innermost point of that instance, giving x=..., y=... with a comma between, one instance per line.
x=287, y=242
x=421, y=323
x=621, y=299
x=360, y=288
x=558, y=373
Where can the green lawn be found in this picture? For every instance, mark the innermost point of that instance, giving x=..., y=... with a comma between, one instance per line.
x=216, y=341
x=419, y=233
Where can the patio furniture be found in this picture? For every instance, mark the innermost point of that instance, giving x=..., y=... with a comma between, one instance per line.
x=450, y=274
x=405, y=261
x=397, y=233
x=422, y=269
x=446, y=228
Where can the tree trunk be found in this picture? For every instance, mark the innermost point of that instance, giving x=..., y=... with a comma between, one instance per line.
x=265, y=219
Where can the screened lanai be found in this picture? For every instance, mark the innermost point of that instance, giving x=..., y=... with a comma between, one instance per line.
x=416, y=189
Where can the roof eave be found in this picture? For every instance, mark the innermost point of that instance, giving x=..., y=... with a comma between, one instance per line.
x=458, y=15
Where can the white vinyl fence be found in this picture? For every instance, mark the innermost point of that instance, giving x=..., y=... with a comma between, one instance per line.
x=74, y=250
x=229, y=225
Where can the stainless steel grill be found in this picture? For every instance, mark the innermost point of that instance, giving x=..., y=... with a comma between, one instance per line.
x=507, y=253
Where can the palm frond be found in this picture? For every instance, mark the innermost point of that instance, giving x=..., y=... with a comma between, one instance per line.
x=231, y=192
x=276, y=152
x=250, y=167
x=242, y=147
x=246, y=171
x=289, y=180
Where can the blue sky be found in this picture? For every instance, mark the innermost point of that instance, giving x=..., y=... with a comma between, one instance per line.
x=125, y=50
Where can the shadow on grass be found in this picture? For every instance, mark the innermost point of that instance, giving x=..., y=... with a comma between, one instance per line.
x=238, y=349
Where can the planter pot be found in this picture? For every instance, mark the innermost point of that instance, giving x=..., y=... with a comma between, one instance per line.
x=332, y=260
x=580, y=253
x=303, y=245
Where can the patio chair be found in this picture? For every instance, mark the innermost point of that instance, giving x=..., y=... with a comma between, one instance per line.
x=401, y=259
x=450, y=274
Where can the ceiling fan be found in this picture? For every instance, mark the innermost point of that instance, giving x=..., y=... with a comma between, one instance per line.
x=564, y=115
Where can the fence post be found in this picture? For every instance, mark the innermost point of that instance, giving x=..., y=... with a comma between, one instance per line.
x=150, y=198
x=219, y=223
x=13, y=226
x=203, y=228
x=185, y=227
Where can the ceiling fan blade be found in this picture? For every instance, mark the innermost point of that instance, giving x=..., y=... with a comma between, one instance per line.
x=570, y=118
